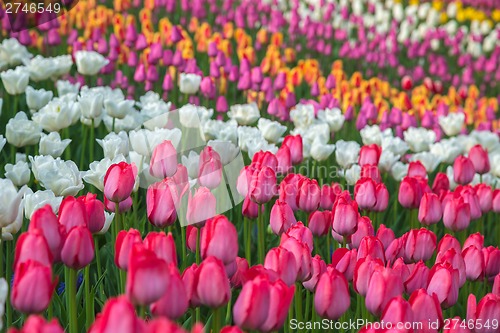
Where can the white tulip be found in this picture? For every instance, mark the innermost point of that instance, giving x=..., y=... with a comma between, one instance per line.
x=153, y=106
x=447, y=149
x=118, y=109
x=52, y=144
x=191, y=162
x=90, y=103
x=15, y=80
x=399, y=170
x=347, y=153
x=62, y=177
x=95, y=175
x=4, y=291
x=490, y=141
x=320, y=151
x=37, y=99
x=373, y=134
x=2, y=142
x=131, y=121
x=10, y=199
x=58, y=114
x=452, y=123
x=22, y=132
x=246, y=134
x=419, y=139
x=466, y=142
x=495, y=164
x=387, y=160
x=353, y=174
x=244, y=114
x=13, y=53
x=63, y=64
x=89, y=62
x=18, y=173
x=107, y=223
x=114, y=144
x=34, y=201
x=333, y=117
x=189, y=83
x=41, y=68
x=66, y=87
x=226, y=150
x=302, y=115
x=271, y=130
x=192, y=116
x=429, y=160
x=144, y=141
x=217, y=129
x=260, y=144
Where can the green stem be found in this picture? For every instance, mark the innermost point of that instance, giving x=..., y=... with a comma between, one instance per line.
x=262, y=236
x=298, y=302
x=71, y=299
x=84, y=146
x=89, y=300
x=183, y=245
x=198, y=245
x=328, y=248
x=308, y=305
x=217, y=316
x=247, y=230
x=92, y=139
x=8, y=275
x=99, y=267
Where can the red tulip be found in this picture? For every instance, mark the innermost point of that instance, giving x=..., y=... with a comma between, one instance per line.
x=430, y=210
x=463, y=170
x=318, y=267
x=251, y=308
x=210, y=168
x=474, y=263
x=416, y=169
x=162, y=245
x=332, y=298
x=383, y=285
x=320, y=222
x=72, y=213
x=419, y=245
x=456, y=214
x=426, y=308
x=263, y=185
x=32, y=245
x=219, y=238
x=95, y=212
x=283, y=263
x=309, y=195
x=444, y=282
x=345, y=216
x=281, y=218
x=212, y=286
x=123, y=246
x=119, y=181
x=294, y=143
x=161, y=203
x=279, y=304
x=78, y=248
x=371, y=246
x=480, y=160
x=32, y=287
x=419, y=274
x=406, y=82
x=345, y=260
x=441, y=183
x=201, y=206
x=174, y=301
x=411, y=190
x=250, y=209
x=118, y=315
x=486, y=311
x=45, y=220
x=163, y=160
x=369, y=155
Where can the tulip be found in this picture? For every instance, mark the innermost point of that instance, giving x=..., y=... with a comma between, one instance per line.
x=18, y=173
x=201, y=206
x=418, y=278
x=491, y=261
x=281, y=218
x=320, y=222
x=294, y=143
x=318, y=267
x=486, y=311
x=32, y=287
x=265, y=158
x=385, y=235
x=72, y=213
x=300, y=233
x=280, y=299
x=251, y=308
x=329, y=195
x=456, y=214
x=231, y=329
x=363, y=271
x=364, y=193
x=383, y=285
x=470, y=197
x=283, y=263
x=212, y=287
x=426, y=308
x=189, y=83
x=495, y=205
x=441, y=183
x=345, y=216
x=119, y=181
x=419, y=245
x=484, y=194
x=369, y=155
x=210, y=168
x=365, y=228
x=36, y=323
x=476, y=239
x=263, y=185
x=89, y=62
x=430, y=210
x=160, y=324
x=417, y=169
x=444, y=282
x=161, y=202
x=164, y=160
x=448, y=242
x=456, y=260
x=463, y=170
x=123, y=246
x=332, y=298
x=146, y=276
x=289, y=189
x=78, y=248
x=95, y=212
x=302, y=254
x=162, y=245
x=284, y=158
x=382, y=195
x=174, y=301
x=123, y=206
x=496, y=285
x=32, y=245
x=398, y=310
x=250, y=209
x=474, y=262
x=219, y=238
x=118, y=314
x=45, y=220
x=15, y=80
x=480, y=160
x=371, y=246
x=411, y=191
x=344, y=261
x=406, y=82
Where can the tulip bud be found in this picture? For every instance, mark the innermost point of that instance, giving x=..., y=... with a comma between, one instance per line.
x=416, y=169
x=250, y=209
x=480, y=160
x=210, y=168
x=282, y=262
x=45, y=220
x=332, y=298
x=123, y=246
x=365, y=228
x=463, y=170
x=345, y=216
x=294, y=143
x=430, y=210
x=78, y=248
x=484, y=194
x=289, y=190
x=161, y=203
x=369, y=155
x=383, y=285
x=163, y=160
x=419, y=245
x=263, y=185
x=119, y=181
x=456, y=214
x=251, y=308
x=282, y=217
x=474, y=262
x=32, y=245
x=212, y=286
x=72, y=213
x=320, y=222
x=371, y=246
x=219, y=238
x=162, y=245
x=491, y=261
x=95, y=212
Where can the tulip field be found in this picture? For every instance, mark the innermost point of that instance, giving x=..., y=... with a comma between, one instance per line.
x=250, y=166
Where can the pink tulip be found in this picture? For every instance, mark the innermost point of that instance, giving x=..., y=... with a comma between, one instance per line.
x=418, y=278
x=45, y=220
x=250, y=209
x=32, y=245
x=416, y=169
x=463, y=170
x=118, y=314
x=484, y=194
x=430, y=210
x=300, y=233
x=365, y=228
x=294, y=143
x=318, y=267
x=309, y=195
x=369, y=155
x=281, y=218
x=36, y=323
x=480, y=160
x=320, y=222
x=345, y=216
x=163, y=160
x=212, y=286
x=289, y=190
x=383, y=285
x=398, y=310
x=345, y=260
x=210, y=168
x=363, y=272
x=444, y=282
x=123, y=247
x=95, y=212
x=72, y=213
x=487, y=310
x=78, y=248
x=364, y=193
x=251, y=308
x=161, y=202
x=456, y=214
x=426, y=308
x=441, y=183
x=162, y=245
x=332, y=298
x=283, y=263
x=419, y=245
x=302, y=254
x=491, y=261
x=474, y=262
x=280, y=300
x=371, y=246
x=119, y=181
x=201, y=206
x=385, y=235
x=219, y=238
x=263, y=185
